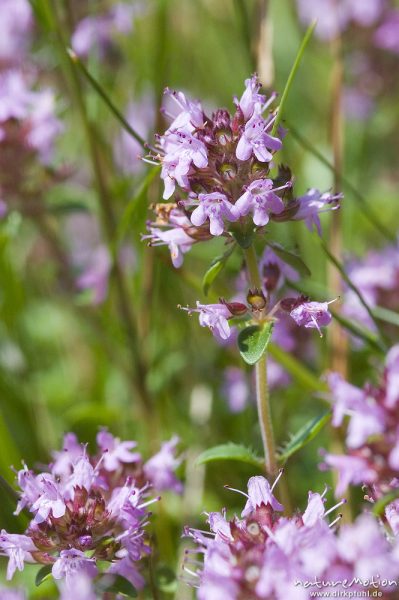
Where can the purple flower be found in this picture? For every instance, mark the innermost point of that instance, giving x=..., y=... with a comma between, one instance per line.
x=346, y=397
x=214, y=316
x=251, y=101
x=312, y=315
x=12, y=594
x=15, y=25
x=127, y=569
x=181, y=151
x=44, y=125
x=392, y=377
x=50, y=501
x=190, y=115
x=362, y=544
x=255, y=140
x=161, y=467
x=392, y=516
x=312, y=204
x=176, y=239
x=351, y=470
x=71, y=451
x=18, y=548
x=96, y=274
x=72, y=562
x=83, y=477
x=367, y=418
x=215, y=207
x=97, y=32
x=334, y=16
x=15, y=96
x=116, y=453
x=140, y=115
x=260, y=494
x=79, y=587
x=235, y=388
x=260, y=199
x=387, y=34
x=30, y=486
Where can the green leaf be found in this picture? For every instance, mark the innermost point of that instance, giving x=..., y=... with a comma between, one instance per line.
x=243, y=237
x=116, y=584
x=304, y=435
x=43, y=574
x=230, y=451
x=253, y=341
x=382, y=503
x=216, y=267
x=291, y=258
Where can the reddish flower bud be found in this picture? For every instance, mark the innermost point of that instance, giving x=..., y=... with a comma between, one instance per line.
x=237, y=309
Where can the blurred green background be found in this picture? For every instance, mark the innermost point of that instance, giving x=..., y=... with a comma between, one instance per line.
x=66, y=365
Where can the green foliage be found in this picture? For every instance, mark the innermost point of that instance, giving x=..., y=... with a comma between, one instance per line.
x=305, y=435
x=217, y=266
x=230, y=451
x=253, y=341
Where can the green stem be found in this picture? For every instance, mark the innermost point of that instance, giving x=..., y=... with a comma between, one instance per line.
x=292, y=74
x=106, y=99
x=262, y=389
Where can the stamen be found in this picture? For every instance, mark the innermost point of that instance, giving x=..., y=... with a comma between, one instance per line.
x=281, y=471
x=336, y=521
x=330, y=510
x=227, y=487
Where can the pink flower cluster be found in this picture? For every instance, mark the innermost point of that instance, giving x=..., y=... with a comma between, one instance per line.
x=265, y=555
x=88, y=509
x=376, y=276
x=219, y=171
x=372, y=439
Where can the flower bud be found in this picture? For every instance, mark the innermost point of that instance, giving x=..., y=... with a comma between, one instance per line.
x=237, y=309
x=256, y=299
x=228, y=171
x=271, y=275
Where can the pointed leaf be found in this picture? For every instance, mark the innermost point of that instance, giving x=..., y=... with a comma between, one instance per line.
x=230, y=451
x=43, y=574
x=243, y=238
x=304, y=435
x=253, y=340
x=216, y=267
x=291, y=258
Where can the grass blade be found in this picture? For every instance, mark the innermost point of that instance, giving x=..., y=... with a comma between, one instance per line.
x=292, y=74
x=104, y=96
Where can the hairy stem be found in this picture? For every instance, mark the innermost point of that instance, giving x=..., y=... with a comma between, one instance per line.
x=262, y=389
